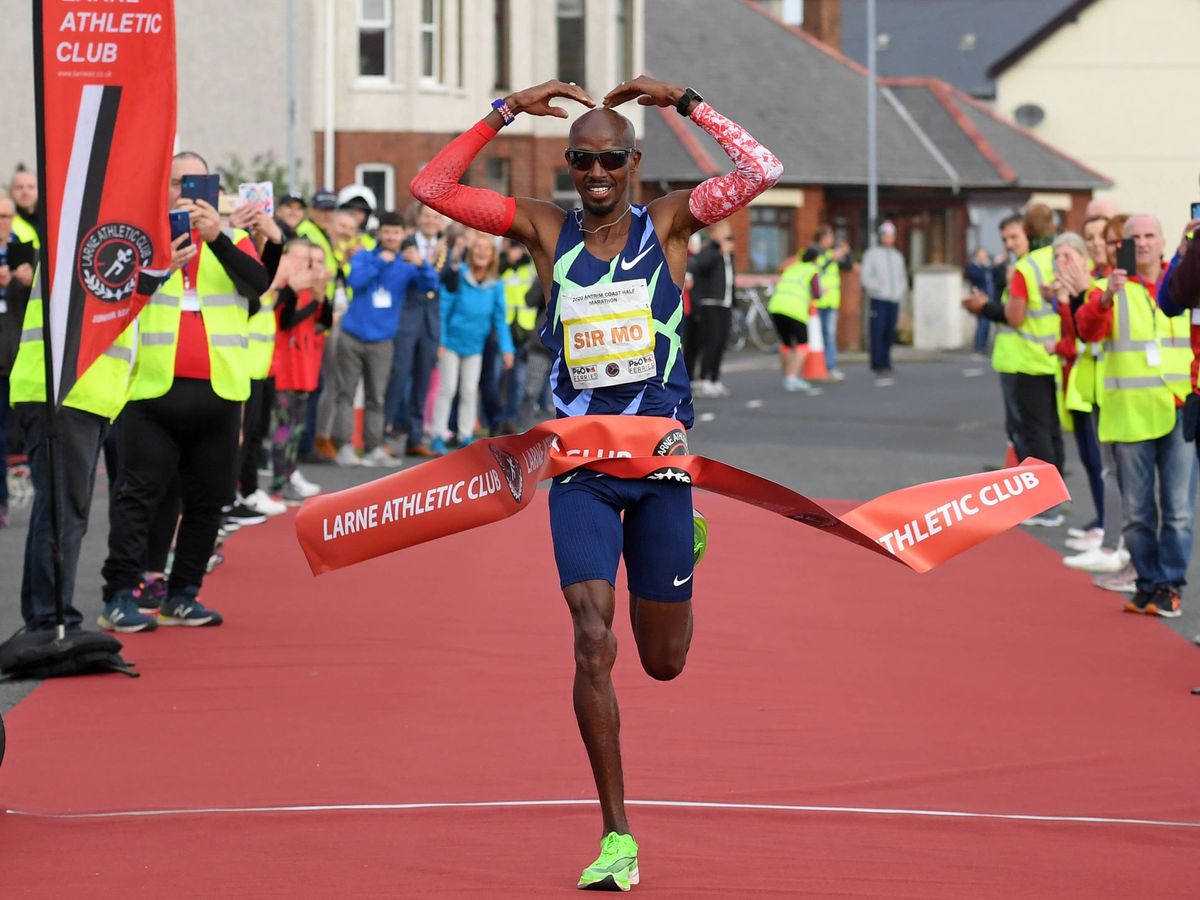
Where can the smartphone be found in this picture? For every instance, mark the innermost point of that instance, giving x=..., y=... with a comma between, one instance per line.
x=1127, y=257
x=259, y=193
x=201, y=187
x=1195, y=212
x=180, y=225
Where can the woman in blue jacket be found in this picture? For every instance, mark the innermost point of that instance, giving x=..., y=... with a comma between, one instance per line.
x=472, y=305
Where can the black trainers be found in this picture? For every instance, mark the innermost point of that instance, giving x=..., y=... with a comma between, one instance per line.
x=185, y=608
x=1139, y=602
x=1166, y=602
x=244, y=515
x=150, y=595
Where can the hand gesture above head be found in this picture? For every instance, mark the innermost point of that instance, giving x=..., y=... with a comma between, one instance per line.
x=536, y=100
x=646, y=90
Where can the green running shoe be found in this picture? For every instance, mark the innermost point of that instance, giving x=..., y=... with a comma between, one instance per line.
x=617, y=867
x=699, y=535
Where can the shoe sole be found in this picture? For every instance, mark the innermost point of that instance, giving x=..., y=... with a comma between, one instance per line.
x=1154, y=610
x=168, y=622
x=609, y=883
x=125, y=629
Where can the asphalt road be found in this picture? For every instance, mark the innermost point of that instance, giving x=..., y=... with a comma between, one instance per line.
x=854, y=440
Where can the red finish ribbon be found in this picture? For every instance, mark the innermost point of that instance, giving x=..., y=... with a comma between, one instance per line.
x=920, y=526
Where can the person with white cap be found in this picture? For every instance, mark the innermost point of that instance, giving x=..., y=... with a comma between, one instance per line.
x=885, y=282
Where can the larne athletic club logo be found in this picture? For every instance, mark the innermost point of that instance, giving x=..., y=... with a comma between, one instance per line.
x=110, y=257
x=612, y=370
x=512, y=471
x=674, y=443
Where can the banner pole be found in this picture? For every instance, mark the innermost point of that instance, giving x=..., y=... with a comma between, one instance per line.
x=50, y=406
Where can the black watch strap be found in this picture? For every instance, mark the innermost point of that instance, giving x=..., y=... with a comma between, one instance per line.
x=686, y=100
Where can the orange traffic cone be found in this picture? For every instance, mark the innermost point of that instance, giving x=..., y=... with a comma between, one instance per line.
x=814, y=364
x=1010, y=457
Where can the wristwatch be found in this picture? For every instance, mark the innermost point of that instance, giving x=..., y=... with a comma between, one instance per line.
x=686, y=100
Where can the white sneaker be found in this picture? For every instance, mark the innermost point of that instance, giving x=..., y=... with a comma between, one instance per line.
x=304, y=486
x=1085, y=543
x=1098, y=560
x=346, y=456
x=1123, y=581
x=837, y=375
x=703, y=389
x=261, y=502
x=380, y=458
x=718, y=389
x=1047, y=519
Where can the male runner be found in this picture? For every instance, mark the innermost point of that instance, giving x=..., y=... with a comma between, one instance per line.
x=616, y=261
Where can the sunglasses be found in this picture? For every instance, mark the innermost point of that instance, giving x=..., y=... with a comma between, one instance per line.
x=611, y=160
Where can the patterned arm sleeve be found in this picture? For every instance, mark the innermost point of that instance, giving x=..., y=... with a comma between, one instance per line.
x=755, y=168
x=437, y=186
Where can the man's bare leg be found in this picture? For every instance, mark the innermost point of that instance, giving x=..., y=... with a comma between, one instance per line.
x=663, y=632
x=592, y=604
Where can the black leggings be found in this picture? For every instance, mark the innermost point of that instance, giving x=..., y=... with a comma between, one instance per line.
x=1039, y=432
x=191, y=434
x=714, y=332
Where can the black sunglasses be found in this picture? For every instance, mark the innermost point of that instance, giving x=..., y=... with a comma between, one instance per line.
x=611, y=160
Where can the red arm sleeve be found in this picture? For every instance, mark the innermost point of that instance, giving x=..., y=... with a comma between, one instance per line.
x=1017, y=287
x=755, y=168
x=1093, y=323
x=437, y=186
x=1066, y=347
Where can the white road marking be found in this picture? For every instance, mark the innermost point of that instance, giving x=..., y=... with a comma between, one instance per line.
x=671, y=804
x=707, y=416
x=754, y=404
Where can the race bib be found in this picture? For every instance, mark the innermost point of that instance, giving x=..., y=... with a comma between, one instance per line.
x=1153, y=356
x=608, y=334
x=381, y=299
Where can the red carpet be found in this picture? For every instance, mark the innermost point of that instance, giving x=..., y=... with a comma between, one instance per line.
x=819, y=677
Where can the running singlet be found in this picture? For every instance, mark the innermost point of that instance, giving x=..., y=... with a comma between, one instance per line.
x=610, y=346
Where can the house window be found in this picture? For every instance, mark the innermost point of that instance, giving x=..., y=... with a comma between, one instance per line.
x=501, y=77
x=381, y=179
x=497, y=176
x=431, y=40
x=564, y=194
x=374, y=38
x=572, y=43
x=625, y=40
x=770, y=237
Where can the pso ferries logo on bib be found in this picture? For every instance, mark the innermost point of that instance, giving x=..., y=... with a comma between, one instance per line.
x=511, y=470
x=110, y=257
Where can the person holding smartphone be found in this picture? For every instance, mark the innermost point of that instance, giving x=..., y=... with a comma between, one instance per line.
x=1147, y=378
x=191, y=376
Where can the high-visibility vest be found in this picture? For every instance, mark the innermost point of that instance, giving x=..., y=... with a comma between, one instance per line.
x=831, y=281
x=1023, y=349
x=101, y=390
x=25, y=231
x=1138, y=394
x=792, y=296
x=517, y=282
x=309, y=229
x=1082, y=387
x=226, y=316
x=260, y=332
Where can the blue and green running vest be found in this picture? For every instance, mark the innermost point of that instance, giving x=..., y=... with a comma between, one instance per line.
x=668, y=393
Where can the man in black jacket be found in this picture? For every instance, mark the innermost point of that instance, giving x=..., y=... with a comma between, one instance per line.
x=712, y=301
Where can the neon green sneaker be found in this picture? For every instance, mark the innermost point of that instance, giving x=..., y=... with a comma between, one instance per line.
x=699, y=535
x=617, y=867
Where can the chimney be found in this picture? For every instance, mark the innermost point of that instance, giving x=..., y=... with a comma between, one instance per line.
x=823, y=20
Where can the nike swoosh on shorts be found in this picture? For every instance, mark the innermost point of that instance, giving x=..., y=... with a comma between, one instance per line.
x=678, y=583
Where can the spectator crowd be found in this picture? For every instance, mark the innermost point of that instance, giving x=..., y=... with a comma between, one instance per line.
x=328, y=331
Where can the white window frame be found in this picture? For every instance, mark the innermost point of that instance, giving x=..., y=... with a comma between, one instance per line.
x=433, y=28
x=384, y=24
x=388, y=201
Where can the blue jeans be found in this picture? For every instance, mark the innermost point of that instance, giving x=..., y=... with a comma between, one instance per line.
x=1158, y=523
x=81, y=436
x=829, y=320
x=884, y=314
x=983, y=330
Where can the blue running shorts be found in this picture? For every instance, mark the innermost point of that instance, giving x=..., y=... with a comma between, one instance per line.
x=656, y=536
